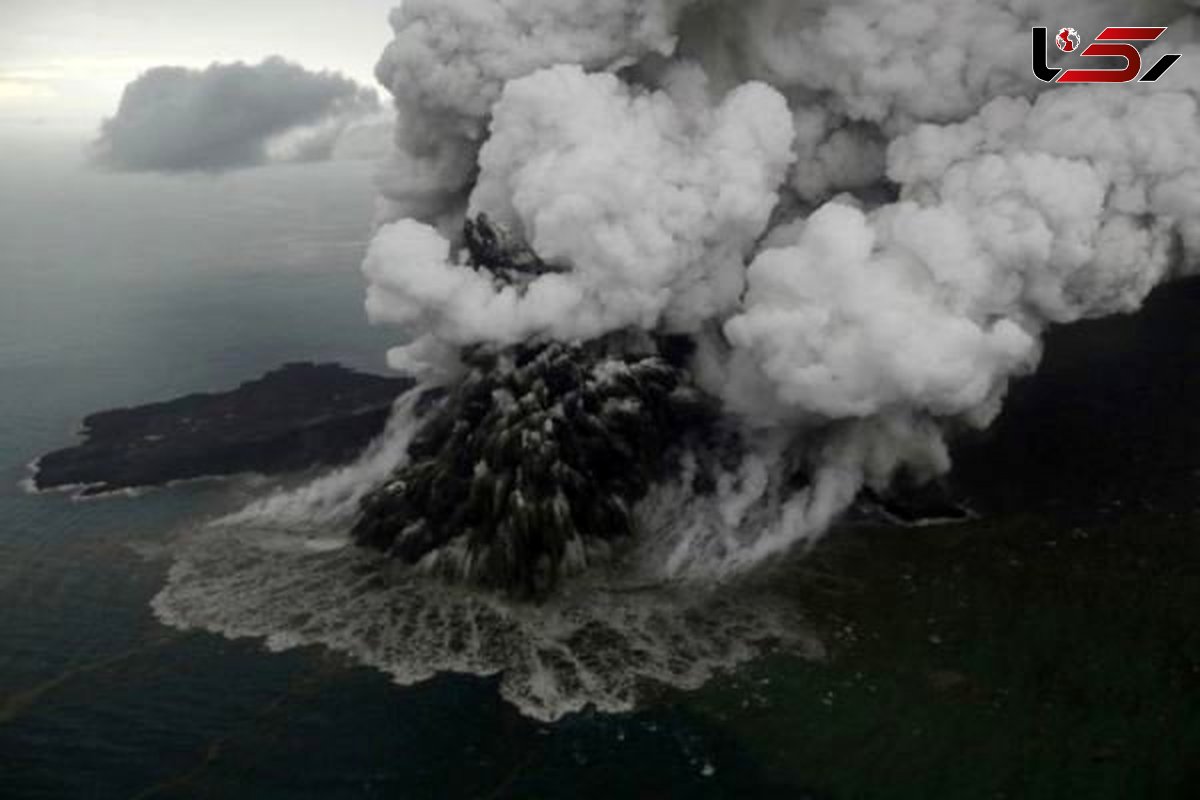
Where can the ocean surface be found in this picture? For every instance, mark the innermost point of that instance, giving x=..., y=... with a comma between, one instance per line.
x=1048, y=649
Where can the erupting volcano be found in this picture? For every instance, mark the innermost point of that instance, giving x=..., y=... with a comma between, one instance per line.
x=600, y=398
x=809, y=226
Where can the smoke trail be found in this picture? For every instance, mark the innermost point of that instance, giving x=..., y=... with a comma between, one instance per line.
x=330, y=501
x=866, y=214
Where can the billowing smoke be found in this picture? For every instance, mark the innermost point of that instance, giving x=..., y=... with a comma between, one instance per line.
x=451, y=59
x=227, y=116
x=710, y=174
x=863, y=214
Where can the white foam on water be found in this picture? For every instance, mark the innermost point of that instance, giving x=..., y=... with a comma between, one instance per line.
x=87, y=492
x=281, y=570
x=596, y=644
x=28, y=484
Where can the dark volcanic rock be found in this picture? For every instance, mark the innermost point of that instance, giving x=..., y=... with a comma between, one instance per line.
x=534, y=460
x=507, y=258
x=911, y=505
x=529, y=466
x=298, y=416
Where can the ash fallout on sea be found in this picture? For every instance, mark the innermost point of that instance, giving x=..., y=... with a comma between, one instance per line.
x=737, y=263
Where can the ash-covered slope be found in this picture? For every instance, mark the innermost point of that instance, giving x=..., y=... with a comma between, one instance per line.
x=298, y=416
x=533, y=462
x=530, y=465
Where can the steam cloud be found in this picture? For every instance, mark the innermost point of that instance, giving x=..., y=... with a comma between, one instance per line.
x=173, y=119
x=866, y=213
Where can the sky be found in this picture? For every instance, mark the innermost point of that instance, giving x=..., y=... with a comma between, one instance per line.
x=64, y=63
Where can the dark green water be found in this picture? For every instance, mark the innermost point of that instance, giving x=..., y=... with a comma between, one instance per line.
x=1050, y=649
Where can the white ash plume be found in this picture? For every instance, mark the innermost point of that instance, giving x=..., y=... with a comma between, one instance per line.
x=865, y=214
x=671, y=254
x=451, y=59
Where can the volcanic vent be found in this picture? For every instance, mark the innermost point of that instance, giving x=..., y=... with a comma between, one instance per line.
x=526, y=470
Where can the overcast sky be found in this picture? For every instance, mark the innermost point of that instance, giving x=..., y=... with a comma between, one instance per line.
x=65, y=62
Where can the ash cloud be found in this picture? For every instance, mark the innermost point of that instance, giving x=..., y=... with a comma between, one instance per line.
x=708, y=171
x=864, y=214
x=230, y=116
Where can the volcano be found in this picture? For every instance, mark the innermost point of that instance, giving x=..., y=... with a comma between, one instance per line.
x=527, y=469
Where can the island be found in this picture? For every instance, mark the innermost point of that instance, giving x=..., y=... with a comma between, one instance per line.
x=298, y=416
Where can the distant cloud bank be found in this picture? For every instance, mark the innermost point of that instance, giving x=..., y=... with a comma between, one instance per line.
x=229, y=116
